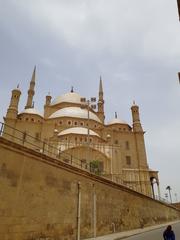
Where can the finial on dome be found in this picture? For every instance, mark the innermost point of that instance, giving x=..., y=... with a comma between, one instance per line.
x=116, y=115
x=134, y=103
x=49, y=93
x=72, y=89
x=18, y=86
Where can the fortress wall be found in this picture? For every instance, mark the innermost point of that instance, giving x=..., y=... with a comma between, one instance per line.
x=39, y=200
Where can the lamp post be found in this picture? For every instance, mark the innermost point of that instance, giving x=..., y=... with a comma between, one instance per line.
x=169, y=189
x=87, y=104
x=111, y=167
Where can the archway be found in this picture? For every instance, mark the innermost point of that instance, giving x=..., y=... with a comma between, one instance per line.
x=87, y=158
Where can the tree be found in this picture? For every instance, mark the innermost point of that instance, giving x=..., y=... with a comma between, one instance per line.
x=96, y=167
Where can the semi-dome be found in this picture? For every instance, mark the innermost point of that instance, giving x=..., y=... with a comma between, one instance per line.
x=70, y=97
x=74, y=112
x=31, y=111
x=78, y=130
x=117, y=121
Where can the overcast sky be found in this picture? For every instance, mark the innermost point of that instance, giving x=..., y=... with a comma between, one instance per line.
x=133, y=44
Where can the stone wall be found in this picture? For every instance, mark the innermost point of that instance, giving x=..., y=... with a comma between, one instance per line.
x=41, y=198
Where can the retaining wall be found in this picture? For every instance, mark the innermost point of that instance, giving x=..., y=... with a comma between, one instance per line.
x=42, y=198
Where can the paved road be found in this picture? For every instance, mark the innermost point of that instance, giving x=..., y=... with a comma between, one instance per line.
x=156, y=234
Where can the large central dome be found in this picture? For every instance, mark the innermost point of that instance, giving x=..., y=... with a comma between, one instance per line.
x=71, y=97
x=74, y=112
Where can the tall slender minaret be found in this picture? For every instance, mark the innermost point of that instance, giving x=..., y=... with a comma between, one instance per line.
x=31, y=91
x=101, y=102
x=136, y=118
x=13, y=106
x=139, y=137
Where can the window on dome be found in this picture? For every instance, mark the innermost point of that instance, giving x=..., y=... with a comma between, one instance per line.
x=60, y=122
x=75, y=123
x=82, y=124
x=69, y=122
x=95, y=125
x=27, y=119
x=32, y=119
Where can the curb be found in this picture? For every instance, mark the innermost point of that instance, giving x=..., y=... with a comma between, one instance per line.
x=123, y=235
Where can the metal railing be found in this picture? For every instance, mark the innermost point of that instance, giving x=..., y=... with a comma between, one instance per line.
x=29, y=141
x=43, y=147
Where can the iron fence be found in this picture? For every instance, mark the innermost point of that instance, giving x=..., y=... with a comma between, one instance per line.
x=29, y=141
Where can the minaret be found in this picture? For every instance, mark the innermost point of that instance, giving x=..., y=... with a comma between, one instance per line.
x=13, y=106
x=101, y=102
x=47, y=105
x=48, y=99
x=31, y=92
x=136, y=118
x=139, y=138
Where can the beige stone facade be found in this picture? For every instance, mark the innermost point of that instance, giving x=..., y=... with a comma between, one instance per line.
x=44, y=198
x=77, y=133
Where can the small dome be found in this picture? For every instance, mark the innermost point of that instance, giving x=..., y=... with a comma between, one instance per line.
x=31, y=111
x=78, y=130
x=75, y=112
x=117, y=121
x=71, y=97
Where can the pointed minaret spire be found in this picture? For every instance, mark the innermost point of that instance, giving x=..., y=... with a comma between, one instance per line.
x=100, y=86
x=31, y=91
x=116, y=115
x=101, y=102
x=34, y=75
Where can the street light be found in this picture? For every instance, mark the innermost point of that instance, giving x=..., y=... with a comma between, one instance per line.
x=111, y=170
x=169, y=189
x=90, y=103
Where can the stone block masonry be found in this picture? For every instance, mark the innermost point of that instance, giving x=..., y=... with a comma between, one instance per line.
x=42, y=198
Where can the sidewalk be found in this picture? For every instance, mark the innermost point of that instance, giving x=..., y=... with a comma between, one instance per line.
x=121, y=235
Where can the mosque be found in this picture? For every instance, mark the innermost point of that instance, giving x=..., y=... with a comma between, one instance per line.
x=79, y=134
